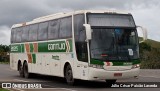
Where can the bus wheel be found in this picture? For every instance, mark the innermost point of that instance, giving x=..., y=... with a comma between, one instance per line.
x=25, y=69
x=69, y=75
x=110, y=82
x=21, y=72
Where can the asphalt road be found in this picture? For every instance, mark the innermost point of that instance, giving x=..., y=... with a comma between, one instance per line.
x=58, y=84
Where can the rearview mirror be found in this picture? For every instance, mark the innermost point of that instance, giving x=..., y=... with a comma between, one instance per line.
x=88, y=31
x=144, y=32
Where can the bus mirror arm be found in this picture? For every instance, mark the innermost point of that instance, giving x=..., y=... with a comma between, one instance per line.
x=144, y=32
x=88, y=31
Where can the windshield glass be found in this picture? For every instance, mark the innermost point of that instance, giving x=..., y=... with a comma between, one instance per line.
x=114, y=44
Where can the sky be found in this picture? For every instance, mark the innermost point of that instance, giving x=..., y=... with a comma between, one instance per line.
x=145, y=12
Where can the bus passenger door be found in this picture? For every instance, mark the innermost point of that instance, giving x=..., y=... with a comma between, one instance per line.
x=82, y=56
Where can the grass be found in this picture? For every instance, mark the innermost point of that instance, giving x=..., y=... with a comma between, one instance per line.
x=1, y=89
x=4, y=62
x=153, y=43
x=149, y=53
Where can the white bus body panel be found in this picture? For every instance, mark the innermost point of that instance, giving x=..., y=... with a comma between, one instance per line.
x=101, y=74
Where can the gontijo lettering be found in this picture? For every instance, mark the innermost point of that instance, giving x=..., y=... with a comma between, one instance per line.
x=57, y=46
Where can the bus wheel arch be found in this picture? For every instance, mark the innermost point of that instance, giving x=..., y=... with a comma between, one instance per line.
x=68, y=73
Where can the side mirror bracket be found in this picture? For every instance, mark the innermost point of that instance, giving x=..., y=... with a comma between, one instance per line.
x=144, y=32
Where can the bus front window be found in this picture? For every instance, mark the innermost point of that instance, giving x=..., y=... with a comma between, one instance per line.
x=114, y=44
x=127, y=39
x=103, y=43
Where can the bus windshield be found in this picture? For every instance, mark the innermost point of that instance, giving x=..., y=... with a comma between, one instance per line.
x=114, y=44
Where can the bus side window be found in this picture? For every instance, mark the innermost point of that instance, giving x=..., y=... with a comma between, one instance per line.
x=43, y=30
x=53, y=29
x=25, y=33
x=18, y=35
x=80, y=36
x=65, y=30
x=33, y=30
x=13, y=35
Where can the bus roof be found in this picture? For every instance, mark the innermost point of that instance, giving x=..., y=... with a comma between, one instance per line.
x=60, y=15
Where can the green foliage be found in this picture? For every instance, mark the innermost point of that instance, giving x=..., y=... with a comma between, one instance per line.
x=153, y=43
x=144, y=46
x=4, y=50
x=1, y=89
x=150, y=55
x=5, y=62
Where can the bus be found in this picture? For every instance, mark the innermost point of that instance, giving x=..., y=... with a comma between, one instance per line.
x=87, y=45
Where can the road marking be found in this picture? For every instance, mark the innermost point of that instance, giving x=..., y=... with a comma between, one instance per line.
x=149, y=76
x=20, y=80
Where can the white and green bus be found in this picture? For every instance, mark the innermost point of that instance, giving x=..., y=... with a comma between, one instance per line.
x=86, y=45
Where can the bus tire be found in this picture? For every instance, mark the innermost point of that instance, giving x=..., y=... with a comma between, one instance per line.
x=20, y=69
x=25, y=69
x=69, y=75
x=110, y=82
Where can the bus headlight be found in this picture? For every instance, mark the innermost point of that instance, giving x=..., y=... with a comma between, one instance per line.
x=136, y=66
x=96, y=66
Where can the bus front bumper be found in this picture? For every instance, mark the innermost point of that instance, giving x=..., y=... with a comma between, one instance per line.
x=101, y=74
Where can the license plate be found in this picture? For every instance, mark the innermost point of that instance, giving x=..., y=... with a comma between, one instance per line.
x=117, y=74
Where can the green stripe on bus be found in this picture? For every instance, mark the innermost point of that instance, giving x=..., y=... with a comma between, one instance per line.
x=42, y=47
x=115, y=62
x=70, y=44
x=94, y=61
x=31, y=47
x=16, y=48
x=22, y=48
x=34, y=58
x=136, y=62
x=52, y=46
x=55, y=46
